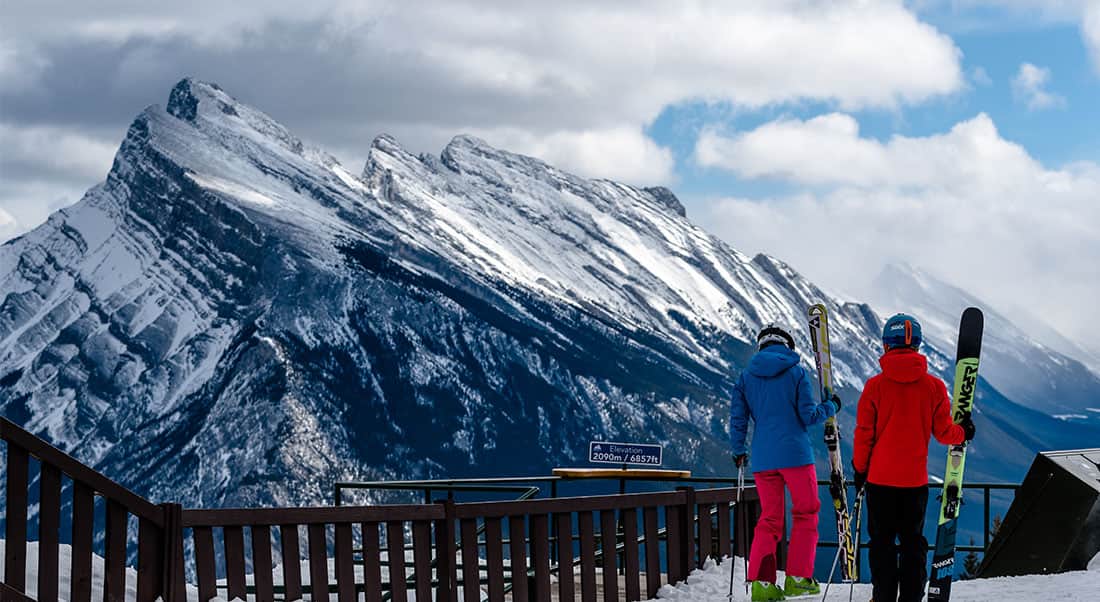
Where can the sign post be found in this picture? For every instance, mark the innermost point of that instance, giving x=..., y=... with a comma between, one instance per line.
x=645, y=457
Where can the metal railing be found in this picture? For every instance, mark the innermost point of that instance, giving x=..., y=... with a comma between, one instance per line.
x=987, y=504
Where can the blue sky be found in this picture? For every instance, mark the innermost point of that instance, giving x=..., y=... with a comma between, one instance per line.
x=1066, y=133
x=959, y=136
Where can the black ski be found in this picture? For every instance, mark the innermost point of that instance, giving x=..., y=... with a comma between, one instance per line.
x=966, y=381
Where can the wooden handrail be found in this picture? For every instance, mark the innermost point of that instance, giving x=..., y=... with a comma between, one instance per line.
x=9, y=593
x=569, y=504
x=77, y=471
x=322, y=515
x=725, y=494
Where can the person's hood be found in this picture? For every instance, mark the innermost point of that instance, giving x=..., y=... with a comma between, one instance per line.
x=904, y=365
x=772, y=361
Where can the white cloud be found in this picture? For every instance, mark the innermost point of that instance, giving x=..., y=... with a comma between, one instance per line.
x=1029, y=87
x=622, y=154
x=8, y=225
x=827, y=150
x=1085, y=13
x=966, y=204
x=573, y=82
x=19, y=67
x=753, y=53
x=43, y=169
x=652, y=54
x=1090, y=29
x=980, y=76
x=56, y=149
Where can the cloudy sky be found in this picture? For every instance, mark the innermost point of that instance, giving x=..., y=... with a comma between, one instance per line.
x=961, y=136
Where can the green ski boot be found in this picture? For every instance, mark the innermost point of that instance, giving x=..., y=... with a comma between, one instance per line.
x=762, y=590
x=801, y=586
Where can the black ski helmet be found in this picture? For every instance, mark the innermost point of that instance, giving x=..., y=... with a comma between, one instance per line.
x=774, y=335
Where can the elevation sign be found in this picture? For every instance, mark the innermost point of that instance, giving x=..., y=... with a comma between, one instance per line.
x=624, y=453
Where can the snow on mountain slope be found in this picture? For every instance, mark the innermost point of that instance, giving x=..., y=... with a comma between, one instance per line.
x=626, y=254
x=1045, y=334
x=1023, y=369
x=234, y=318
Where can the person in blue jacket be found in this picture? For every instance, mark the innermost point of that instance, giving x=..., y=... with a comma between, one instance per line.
x=776, y=394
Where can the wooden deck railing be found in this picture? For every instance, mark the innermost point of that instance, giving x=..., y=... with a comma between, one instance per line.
x=54, y=466
x=441, y=551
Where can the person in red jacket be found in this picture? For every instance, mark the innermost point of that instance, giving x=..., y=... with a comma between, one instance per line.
x=898, y=412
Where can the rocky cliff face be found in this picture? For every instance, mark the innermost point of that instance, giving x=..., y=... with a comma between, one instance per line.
x=233, y=318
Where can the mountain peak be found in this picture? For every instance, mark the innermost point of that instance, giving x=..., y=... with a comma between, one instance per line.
x=466, y=153
x=471, y=141
x=206, y=106
x=667, y=198
x=386, y=143
x=182, y=103
x=186, y=95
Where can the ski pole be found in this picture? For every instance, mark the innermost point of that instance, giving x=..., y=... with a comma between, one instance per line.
x=733, y=556
x=858, y=535
x=842, y=532
x=730, y=596
x=732, y=571
x=740, y=488
x=840, y=548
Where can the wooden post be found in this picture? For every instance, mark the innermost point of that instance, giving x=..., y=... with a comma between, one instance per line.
x=687, y=545
x=175, y=585
x=446, y=553
x=15, y=551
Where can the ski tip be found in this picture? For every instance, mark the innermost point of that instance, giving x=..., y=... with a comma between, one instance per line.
x=971, y=328
x=817, y=309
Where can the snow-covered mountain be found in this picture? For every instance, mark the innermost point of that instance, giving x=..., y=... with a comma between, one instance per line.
x=1025, y=370
x=233, y=317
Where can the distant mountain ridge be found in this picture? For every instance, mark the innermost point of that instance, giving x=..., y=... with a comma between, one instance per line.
x=1024, y=369
x=233, y=318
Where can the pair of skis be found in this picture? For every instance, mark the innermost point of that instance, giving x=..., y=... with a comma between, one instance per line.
x=966, y=378
x=848, y=554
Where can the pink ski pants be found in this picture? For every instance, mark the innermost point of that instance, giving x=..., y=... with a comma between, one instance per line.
x=802, y=481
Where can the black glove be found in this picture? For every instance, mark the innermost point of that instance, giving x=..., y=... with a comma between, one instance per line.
x=860, y=479
x=740, y=460
x=836, y=402
x=968, y=428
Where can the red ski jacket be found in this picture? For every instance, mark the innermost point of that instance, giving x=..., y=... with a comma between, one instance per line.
x=898, y=412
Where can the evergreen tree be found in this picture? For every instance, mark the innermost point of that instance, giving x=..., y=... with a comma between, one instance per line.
x=971, y=563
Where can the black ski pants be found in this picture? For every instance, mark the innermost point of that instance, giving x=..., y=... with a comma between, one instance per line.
x=898, y=551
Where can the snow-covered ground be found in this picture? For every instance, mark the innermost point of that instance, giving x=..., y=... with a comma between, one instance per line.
x=713, y=582
x=64, y=564
x=708, y=585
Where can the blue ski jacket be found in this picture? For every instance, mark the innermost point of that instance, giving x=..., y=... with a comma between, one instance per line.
x=774, y=391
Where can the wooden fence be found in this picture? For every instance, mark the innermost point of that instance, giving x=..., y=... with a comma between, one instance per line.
x=599, y=547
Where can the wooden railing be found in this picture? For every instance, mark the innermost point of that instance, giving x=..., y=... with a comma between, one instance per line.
x=443, y=551
x=54, y=466
x=342, y=526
